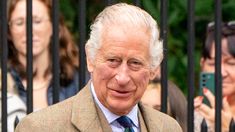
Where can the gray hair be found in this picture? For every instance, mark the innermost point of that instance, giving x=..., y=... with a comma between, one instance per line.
x=125, y=14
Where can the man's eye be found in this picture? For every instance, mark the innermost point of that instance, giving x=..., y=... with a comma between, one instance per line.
x=135, y=65
x=113, y=62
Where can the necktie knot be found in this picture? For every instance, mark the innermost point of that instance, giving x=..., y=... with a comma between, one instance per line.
x=125, y=121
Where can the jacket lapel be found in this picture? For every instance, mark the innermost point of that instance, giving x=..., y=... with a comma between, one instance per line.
x=104, y=123
x=153, y=124
x=84, y=114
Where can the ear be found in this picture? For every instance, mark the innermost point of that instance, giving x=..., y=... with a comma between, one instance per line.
x=90, y=65
x=155, y=73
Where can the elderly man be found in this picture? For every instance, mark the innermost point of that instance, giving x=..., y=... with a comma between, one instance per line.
x=123, y=53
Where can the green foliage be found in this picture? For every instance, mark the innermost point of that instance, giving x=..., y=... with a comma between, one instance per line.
x=177, y=28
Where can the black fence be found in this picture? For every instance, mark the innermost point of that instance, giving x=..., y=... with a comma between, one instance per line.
x=81, y=15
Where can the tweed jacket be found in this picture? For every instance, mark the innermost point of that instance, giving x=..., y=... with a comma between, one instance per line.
x=80, y=114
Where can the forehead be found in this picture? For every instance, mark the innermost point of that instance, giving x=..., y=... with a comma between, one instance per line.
x=38, y=8
x=127, y=37
x=224, y=48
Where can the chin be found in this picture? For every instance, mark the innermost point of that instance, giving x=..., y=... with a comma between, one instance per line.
x=120, y=111
x=36, y=52
x=120, y=108
x=228, y=93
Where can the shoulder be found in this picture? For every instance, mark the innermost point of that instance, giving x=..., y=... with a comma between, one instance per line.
x=58, y=117
x=55, y=116
x=157, y=120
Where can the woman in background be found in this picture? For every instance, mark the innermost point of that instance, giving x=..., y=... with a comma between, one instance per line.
x=42, y=53
x=227, y=74
x=15, y=106
x=176, y=103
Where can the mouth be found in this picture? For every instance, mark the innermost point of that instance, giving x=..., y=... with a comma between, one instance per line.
x=35, y=41
x=120, y=93
x=225, y=85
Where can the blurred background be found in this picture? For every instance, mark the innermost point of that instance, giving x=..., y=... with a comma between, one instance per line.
x=177, y=28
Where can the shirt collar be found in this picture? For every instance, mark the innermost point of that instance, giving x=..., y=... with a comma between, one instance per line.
x=111, y=117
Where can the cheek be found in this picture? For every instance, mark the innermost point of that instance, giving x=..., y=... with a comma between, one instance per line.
x=45, y=33
x=17, y=37
x=104, y=72
x=143, y=78
x=232, y=73
x=208, y=68
x=17, y=43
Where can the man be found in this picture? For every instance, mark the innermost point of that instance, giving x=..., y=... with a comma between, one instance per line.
x=123, y=54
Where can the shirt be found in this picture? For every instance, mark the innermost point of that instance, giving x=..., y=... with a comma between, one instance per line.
x=111, y=117
x=64, y=91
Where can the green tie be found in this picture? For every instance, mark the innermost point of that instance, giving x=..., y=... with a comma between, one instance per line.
x=129, y=129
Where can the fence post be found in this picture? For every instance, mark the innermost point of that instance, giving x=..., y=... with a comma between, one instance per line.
x=218, y=88
x=55, y=54
x=232, y=126
x=4, y=54
x=203, y=126
x=29, y=66
x=82, y=41
x=137, y=3
x=190, y=72
x=163, y=35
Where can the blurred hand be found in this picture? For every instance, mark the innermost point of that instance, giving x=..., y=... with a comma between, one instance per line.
x=209, y=112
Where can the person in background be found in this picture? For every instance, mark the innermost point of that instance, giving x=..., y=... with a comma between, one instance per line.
x=42, y=53
x=227, y=74
x=15, y=106
x=123, y=53
x=176, y=101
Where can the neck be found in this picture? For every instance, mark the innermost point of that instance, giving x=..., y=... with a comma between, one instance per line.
x=40, y=63
x=231, y=101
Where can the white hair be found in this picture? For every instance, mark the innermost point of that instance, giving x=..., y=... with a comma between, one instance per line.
x=122, y=13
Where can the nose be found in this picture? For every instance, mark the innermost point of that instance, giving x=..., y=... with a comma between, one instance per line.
x=224, y=71
x=122, y=77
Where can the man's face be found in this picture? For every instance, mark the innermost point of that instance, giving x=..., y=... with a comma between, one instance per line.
x=121, y=70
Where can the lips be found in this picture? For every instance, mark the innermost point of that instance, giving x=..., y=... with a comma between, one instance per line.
x=35, y=40
x=225, y=85
x=120, y=93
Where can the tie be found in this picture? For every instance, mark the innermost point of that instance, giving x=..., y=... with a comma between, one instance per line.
x=126, y=123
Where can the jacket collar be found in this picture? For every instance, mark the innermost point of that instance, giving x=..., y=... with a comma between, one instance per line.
x=151, y=119
x=85, y=114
